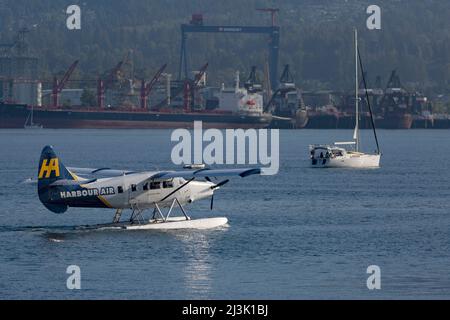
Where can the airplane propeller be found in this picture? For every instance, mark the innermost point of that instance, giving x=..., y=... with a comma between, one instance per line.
x=221, y=183
x=214, y=187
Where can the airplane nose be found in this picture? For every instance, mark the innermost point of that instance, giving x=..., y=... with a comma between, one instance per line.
x=201, y=190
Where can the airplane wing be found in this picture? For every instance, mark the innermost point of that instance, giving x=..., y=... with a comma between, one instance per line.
x=99, y=172
x=89, y=173
x=188, y=174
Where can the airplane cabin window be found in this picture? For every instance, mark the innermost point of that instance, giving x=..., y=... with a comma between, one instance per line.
x=167, y=184
x=155, y=185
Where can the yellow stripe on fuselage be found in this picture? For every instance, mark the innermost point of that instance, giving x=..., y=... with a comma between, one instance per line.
x=74, y=176
x=105, y=202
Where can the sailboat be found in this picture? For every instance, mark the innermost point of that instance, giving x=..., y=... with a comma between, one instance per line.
x=348, y=154
x=30, y=124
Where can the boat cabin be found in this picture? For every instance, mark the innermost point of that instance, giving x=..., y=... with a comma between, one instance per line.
x=324, y=152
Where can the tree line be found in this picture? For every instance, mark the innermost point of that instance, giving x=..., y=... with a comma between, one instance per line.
x=316, y=38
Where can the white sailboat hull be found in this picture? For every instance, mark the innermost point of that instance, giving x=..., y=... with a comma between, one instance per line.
x=359, y=160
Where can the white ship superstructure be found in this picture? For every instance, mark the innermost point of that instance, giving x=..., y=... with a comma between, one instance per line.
x=240, y=101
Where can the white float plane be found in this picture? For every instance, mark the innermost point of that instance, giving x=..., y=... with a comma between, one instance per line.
x=60, y=187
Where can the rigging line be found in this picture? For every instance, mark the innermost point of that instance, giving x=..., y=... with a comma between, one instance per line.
x=368, y=102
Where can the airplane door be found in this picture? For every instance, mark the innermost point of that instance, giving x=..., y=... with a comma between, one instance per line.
x=185, y=193
x=126, y=191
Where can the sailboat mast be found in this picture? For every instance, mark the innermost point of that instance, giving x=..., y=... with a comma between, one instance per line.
x=356, y=134
x=368, y=103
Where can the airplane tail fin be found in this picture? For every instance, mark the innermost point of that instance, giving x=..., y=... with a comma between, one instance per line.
x=51, y=169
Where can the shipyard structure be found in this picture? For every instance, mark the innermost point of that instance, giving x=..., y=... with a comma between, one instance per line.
x=259, y=97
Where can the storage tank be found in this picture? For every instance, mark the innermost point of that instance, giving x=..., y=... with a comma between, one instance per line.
x=39, y=94
x=6, y=90
x=25, y=92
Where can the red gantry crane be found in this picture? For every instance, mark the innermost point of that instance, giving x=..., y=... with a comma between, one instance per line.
x=147, y=88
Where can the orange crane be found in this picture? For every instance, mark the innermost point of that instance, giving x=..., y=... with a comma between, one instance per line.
x=147, y=88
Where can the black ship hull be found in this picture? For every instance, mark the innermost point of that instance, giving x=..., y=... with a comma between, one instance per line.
x=15, y=116
x=395, y=121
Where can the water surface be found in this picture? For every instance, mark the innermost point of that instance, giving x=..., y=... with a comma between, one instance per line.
x=305, y=233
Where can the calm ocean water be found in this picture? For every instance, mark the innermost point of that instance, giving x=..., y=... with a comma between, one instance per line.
x=305, y=233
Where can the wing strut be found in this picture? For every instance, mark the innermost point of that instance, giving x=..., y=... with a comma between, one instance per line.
x=177, y=189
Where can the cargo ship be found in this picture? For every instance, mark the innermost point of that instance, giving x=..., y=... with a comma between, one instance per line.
x=394, y=107
x=16, y=115
x=122, y=101
x=237, y=108
x=396, y=121
x=286, y=104
x=326, y=117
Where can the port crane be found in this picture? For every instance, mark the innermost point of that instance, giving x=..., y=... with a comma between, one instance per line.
x=147, y=88
x=286, y=85
x=103, y=85
x=253, y=84
x=191, y=87
x=196, y=26
x=58, y=85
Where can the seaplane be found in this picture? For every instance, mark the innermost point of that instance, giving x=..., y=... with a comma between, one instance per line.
x=160, y=192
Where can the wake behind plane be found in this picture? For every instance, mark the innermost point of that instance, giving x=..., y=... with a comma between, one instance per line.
x=61, y=187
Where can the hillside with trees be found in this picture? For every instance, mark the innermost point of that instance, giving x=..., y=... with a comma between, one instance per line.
x=316, y=38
